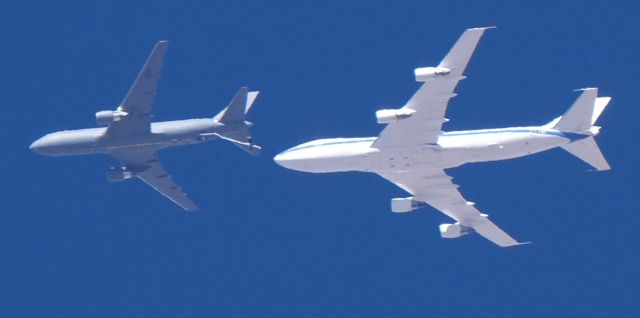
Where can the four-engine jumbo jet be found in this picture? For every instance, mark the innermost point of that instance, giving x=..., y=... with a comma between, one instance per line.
x=413, y=152
x=133, y=139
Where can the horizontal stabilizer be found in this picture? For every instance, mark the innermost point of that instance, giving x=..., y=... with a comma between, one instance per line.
x=587, y=150
x=247, y=146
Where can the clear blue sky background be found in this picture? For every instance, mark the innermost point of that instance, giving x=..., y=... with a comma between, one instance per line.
x=271, y=242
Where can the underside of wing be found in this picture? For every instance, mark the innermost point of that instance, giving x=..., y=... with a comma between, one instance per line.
x=428, y=105
x=146, y=166
x=435, y=188
x=137, y=105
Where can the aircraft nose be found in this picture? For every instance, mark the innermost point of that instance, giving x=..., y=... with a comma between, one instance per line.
x=281, y=159
x=286, y=160
x=40, y=146
x=35, y=145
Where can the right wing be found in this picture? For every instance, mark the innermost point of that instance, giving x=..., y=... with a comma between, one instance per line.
x=435, y=188
x=147, y=166
x=138, y=103
x=431, y=100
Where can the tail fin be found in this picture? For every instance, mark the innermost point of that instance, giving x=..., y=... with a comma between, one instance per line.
x=581, y=117
x=238, y=107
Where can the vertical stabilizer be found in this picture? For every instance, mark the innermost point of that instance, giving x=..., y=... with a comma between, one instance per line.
x=579, y=117
x=238, y=107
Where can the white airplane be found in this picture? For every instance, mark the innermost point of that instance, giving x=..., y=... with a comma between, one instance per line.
x=413, y=152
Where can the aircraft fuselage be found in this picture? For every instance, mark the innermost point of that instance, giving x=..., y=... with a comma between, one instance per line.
x=163, y=134
x=453, y=149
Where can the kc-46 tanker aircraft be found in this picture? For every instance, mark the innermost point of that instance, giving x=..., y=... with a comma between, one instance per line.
x=131, y=137
x=413, y=152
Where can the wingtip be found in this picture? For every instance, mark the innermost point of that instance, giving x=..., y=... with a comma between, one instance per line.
x=585, y=89
x=485, y=28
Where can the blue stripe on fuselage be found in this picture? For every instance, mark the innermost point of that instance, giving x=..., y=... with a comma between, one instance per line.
x=569, y=135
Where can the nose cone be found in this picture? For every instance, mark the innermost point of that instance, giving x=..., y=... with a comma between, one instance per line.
x=297, y=160
x=36, y=146
x=43, y=145
x=283, y=159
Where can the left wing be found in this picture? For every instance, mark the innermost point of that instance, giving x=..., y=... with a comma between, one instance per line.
x=147, y=167
x=431, y=99
x=435, y=188
x=139, y=101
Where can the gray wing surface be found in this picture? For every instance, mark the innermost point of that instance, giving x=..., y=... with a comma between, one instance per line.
x=149, y=169
x=138, y=103
x=437, y=189
x=431, y=100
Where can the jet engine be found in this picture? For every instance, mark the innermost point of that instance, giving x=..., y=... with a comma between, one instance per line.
x=424, y=74
x=401, y=205
x=454, y=230
x=386, y=116
x=115, y=174
x=106, y=117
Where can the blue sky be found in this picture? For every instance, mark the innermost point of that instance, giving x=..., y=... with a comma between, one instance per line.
x=271, y=242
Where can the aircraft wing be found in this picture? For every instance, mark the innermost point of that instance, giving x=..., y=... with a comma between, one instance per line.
x=437, y=189
x=149, y=169
x=431, y=100
x=139, y=101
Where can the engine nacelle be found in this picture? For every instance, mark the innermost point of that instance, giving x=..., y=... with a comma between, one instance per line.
x=454, y=230
x=119, y=174
x=106, y=117
x=386, y=116
x=401, y=205
x=424, y=74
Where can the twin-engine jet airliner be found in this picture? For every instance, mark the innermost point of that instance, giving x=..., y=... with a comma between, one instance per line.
x=413, y=152
x=131, y=137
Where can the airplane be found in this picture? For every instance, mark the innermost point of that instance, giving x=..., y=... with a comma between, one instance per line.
x=130, y=137
x=413, y=153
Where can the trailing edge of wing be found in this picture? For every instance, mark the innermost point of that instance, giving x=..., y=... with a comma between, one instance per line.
x=493, y=233
x=138, y=103
x=460, y=54
x=142, y=93
x=435, y=188
x=149, y=169
x=156, y=177
x=432, y=98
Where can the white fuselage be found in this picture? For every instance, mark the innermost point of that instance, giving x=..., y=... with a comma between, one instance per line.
x=453, y=149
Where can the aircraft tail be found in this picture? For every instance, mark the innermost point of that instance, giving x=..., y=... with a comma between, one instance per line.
x=580, y=118
x=587, y=149
x=238, y=107
x=234, y=116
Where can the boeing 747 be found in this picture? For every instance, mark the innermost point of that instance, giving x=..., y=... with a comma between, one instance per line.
x=413, y=152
